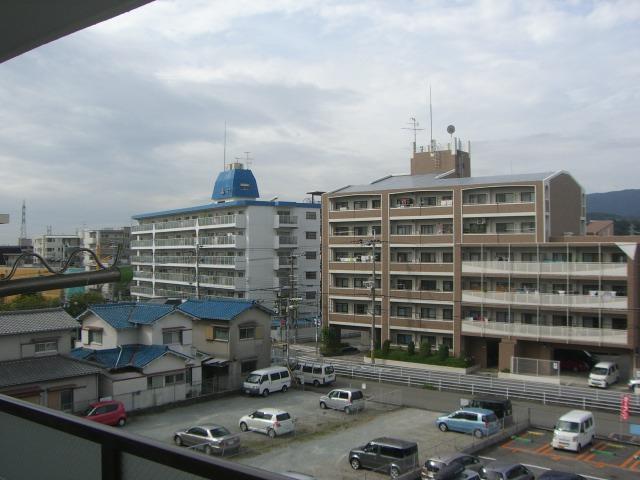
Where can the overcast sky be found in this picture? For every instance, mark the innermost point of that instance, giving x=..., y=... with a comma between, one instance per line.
x=128, y=116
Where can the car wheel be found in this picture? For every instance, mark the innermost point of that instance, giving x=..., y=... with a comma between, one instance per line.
x=243, y=427
x=355, y=463
x=208, y=450
x=265, y=392
x=284, y=388
x=272, y=433
x=122, y=422
x=316, y=383
x=394, y=472
x=443, y=427
x=347, y=410
x=478, y=433
x=178, y=441
x=323, y=405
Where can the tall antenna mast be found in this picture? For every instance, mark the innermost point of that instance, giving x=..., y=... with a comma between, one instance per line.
x=431, y=146
x=22, y=241
x=414, y=126
x=224, y=152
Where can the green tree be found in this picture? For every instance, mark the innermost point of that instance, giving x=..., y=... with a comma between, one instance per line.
x=31, y=301
x=330, y=341
x=425, y=349
x=443, y=352
x=79, y=302
x=386, y=346
x=411, y=348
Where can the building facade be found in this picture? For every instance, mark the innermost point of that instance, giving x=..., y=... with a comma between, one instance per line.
x=236, y=246
x=57, y=248
x=494, y=267
x=105, y=242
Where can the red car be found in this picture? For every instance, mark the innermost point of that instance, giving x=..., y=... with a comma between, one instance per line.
x=109, y=412
x=572, y=365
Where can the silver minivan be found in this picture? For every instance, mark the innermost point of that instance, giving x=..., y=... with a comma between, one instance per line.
x=346, y=399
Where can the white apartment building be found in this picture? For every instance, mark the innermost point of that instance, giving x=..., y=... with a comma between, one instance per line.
x=55, y=248
x=236, y=246
x=104, y=242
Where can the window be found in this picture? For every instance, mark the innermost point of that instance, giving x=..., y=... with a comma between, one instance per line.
x=404, y=229
x=340, y=231
x=310, y=295
x=428, y=201
x=528, y=227
x=358, y=282
x=46, y=347
x=66, y=400
x=427, y=229
x=155, y=382
x=526, y=196
x=360, y=204
x=430, y=339
x=502, y=316
x=403, y=284
x=311, y=235
x=404, y=202
x=221, y=334
x=402, y=257
x=427, y=257
x=361, y=308
x=174, y=379
x=428, y=285
x=447, y=314
x=275, y=376
x=447, y=228
x=375, y=203
x=528, y=257
x=360, y=231
x=448, y=341
x=589, y=257
x=376, y=230
x=342, y=205
x=504, y=228
x=427, y=312
x=447, y=257
x=447, y=285
x=310, y=255
x=171, y=336
x=95, y=336
x=311, y=215
x=310, y=275
x=402, y=311
x=507, y=197
x=477, y=198
x=341, y=282
x=403, y=338
x=247, y=333
x=341, y=307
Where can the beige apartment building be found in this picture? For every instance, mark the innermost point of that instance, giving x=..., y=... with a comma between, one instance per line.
x=495, y=267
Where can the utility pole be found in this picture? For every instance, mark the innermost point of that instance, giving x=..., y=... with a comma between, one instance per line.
x=197, y=271
x=372, y=285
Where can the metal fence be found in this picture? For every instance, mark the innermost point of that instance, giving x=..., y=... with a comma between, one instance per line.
x=536, y=367
x=545, y=393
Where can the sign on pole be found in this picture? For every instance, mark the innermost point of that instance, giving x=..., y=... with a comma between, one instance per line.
x=624, y=407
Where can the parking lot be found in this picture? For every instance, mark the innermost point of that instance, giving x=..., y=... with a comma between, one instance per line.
x=602, y=460
x=323, y=438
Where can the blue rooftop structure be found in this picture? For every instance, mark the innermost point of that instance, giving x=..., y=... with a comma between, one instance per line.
x=235, y=183
x=128, y=315
x=223, y=309
x=127, y=356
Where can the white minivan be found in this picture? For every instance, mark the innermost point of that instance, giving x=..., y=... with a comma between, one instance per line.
x=316, y=373
x=267, y=380
x=604, y=374
x=574, y=430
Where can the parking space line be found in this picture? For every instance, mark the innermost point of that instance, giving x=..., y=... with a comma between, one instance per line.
x=543, y=449
x=487, y=458
x=631, y=460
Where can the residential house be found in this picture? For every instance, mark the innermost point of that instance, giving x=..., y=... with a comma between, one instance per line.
x=34, y=361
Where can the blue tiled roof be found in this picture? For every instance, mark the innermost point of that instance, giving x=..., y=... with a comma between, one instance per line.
x=128, y=315
x=128, y=356
x=235, y=183
x=223, y=309
x=213, y=206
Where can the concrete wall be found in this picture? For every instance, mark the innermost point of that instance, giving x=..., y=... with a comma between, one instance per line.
x=565, y=205
x=175, y=320
x=111, y=337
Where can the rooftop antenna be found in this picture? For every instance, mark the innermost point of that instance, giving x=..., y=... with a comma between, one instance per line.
x=224, y=152
x=414, y=126
x=23, y=224
x=247, y=159
x=431, y=145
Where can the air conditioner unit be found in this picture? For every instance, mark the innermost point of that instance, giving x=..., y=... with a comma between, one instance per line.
x=481, y=221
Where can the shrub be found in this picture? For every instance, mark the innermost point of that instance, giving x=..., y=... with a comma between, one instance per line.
x=386, y=346
x=425, y=349
x=411, y=348
x=443, y=352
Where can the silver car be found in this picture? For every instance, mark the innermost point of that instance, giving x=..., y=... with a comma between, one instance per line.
x=210, y=438
x=506, y=472
x=436, y=464
x=346, y=399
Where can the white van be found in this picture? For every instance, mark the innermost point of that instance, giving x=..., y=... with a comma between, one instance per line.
x=267, y=380
x=316, y=373
x=574, y=430
x=604, y=374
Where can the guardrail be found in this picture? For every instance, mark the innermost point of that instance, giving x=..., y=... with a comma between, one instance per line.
x=576, y=397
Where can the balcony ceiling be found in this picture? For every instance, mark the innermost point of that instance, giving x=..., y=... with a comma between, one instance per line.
x=28, y=24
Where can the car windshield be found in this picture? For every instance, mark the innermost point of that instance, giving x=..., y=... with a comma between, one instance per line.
x=219, y=432
x=433, y=466
x=87, y=411
x=328, y=370
x=599, y=371
x=565, y=426
x=253, y=378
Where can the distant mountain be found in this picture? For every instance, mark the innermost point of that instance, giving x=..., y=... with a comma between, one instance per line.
x=623, y=204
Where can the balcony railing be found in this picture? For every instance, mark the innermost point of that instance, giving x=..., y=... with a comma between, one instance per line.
x=138, y=290
x=281, y=220
x=175, y=242
x=141, y=259
x=218, y=240
x=141, y=243
x=175, y=224
x=141, y=274
x=575, y=334
x=600, y=300
x=175, y=259
x=218, y=260
x=217, y=280
x=176, y=277
x=559, y=268
x=217, y=220
x=167, y=292
x=145, y=227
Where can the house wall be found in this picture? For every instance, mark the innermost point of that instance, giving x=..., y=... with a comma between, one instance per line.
x=111, y=337
x=14, y=347
x=173, y=321
x=565, y=205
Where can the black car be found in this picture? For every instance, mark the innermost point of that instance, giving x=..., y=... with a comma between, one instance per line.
x=500, y=406
x=558, y=475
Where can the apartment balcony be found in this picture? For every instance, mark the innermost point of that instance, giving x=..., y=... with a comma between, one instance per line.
x=399, y=213
x=603, y=300
x=142, y=275
x=430, y=324
x=223, y=241
x=420, y=239
x=354, y=319
x=493, y=208
x=285, y=242
x=222, y=221
x=420, y=267
x=546, y=332
x=435, y=295
x=353, y=264
x=219, y=261
x=164, y=243
x=170, y=292
x=143, y=228
x=138, y=244
x=184, y=278
x=284, y=262
x=547, y=268
x=354, y=292
x=140, y=290
x=176, y=260
x=220, y=281
x=348, y=239
x=360, y=214
x=142, y=260
x=285, y=221
x=176, y=225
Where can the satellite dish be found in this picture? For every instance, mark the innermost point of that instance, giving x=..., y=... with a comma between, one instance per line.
x=451, y=129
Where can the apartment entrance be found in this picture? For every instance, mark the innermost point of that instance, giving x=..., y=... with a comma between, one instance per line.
x=215, y=375
x=493, y=349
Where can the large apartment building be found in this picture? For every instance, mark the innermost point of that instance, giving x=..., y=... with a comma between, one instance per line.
x=494, y=267
x=236, y=246
x=57, y=248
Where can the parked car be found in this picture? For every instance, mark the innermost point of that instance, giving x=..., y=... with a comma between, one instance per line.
x=500, y=406
x=506, y=472
x=558, y=475
x=634, y=385
x=574, y=430
x=268, y=420
x=211, y=438
x=108, y=412
x=456, y=471
x=348, y=350
x=574, y=365
x=604, y=374
x=267, y=380
x=315, y=373
x=478, y=421
x=434, y=465
x=386, y=454
x=346, y=399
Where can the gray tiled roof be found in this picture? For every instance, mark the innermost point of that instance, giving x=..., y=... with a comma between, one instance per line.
x=30, y=321
x=42, y=369
x=432, y=181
